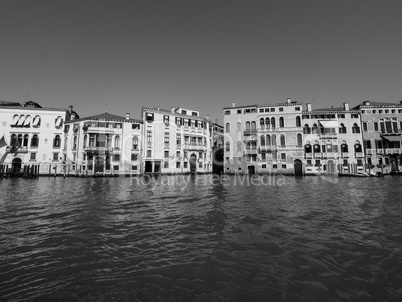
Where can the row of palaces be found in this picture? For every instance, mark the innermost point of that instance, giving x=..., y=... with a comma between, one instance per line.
x=287, y=138
x=36, y=140
x=283, y=138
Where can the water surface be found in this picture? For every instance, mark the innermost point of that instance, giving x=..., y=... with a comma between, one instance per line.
x=200, y=238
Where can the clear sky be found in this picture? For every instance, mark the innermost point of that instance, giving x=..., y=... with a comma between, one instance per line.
x=119, y=56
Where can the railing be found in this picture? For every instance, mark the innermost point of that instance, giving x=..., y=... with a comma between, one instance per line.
x=317, y=155
x=250, y=132
x=345, y=154
x=91, y=148
x=269, y=148
x=250, y=151
x=359, y=154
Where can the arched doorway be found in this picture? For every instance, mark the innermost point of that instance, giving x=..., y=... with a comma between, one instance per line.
x=298, y=166
x=193, y=163
x=330, y=167
x=16, y=166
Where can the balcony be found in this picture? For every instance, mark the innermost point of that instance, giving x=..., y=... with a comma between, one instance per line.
x=359, y=154
x=393, y=151
x=268, y=148
x=317, y=155
x=330, y=155
x=250, y=132
x=97, y=149
x=21, y=149
x=380, y=151
x=309, y=155
x=250, y=151
x=194, y=147
x=345, y=155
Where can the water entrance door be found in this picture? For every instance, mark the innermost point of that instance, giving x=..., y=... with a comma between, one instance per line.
x=193, y=163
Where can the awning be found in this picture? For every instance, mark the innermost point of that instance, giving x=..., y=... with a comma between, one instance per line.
x=329, y=124
x=393, y=138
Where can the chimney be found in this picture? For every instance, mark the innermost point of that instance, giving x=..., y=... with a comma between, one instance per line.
x=367, y=103
x=72, y=117
x=216, y=120
x=158, y=108
x=308, y=106
x=346, y=106
x=207, y=117
x=127, y=116
x=233, y=104
x=288, y=101
x=172, y=110
x=70, y=109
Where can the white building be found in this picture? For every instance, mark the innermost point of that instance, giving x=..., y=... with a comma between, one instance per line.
x=103, y=144
x=32, y=136
x=176, y=141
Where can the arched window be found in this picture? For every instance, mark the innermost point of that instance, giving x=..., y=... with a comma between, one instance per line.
x=342, y=128
x=117, y=142
x=35, y=141
x=85, y=141
x=248, y=126
x=307, y=148
x=135, y=143
x=13, y=140
x=306, y=129
x=227, y=146
x=58, y=121
x=27, y=121
x=238, y=126
x=298, y=121
x=56, y=141
x=26, y=138
x=268, y=140
x=299, y=139
x=20, y=139
x=358, y=147
x=315, y=129
x=75, y=139
x=262, y=122
x=267, y=123
x=282, y=138
x=263, y=140
x=344, y=147
x=65, y=143
x=36, y=121
x=253, y=126
x=281, y=122
x=21, y=120
x=273, y=122
x=238, y=146
x=15, y=120
x=355, y=128
x=273, y=140
x=227, y=127
x=317, y=148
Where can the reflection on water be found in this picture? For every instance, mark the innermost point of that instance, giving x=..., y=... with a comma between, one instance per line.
x=201, y=238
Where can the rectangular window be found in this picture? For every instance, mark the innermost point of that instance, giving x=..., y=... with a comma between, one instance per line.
x=166, y=137
x=134, y=157
x=166, y=154
x=297, y=108
x=33, y=156
x=149, y=153
x=116, y=157
x=178, y=164
x=134, y=168
x=274, y=166
x=239, y=111
x=227, y=112
x=185, y=164
x=284, y=166
x=317, y=163
x=364, y=126
x=115, y=168
x=149, y=136
x=166, y=164
x=166, y=119
x=272, y=109
x=178, y=138
x=345, y=162
x=283, y=156
x=359, y=162
x=135, y=126
x=375, y=126
x=149, y=117
x=55, y=156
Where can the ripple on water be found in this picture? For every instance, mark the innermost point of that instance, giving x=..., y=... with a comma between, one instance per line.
x=195, y=239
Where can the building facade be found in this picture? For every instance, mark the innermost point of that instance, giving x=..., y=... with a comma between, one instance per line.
x=32, y=136
x=263, y=138
x=382, y=135
x=176, y=141
x=333, y=142
x=103, y=144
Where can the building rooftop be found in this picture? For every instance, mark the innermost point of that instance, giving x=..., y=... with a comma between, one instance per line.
x=105, y=117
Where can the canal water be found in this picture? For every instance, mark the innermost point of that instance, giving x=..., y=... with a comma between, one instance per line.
x=201, y=238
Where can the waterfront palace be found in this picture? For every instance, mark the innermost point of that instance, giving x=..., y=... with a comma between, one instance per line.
x=286, y=137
